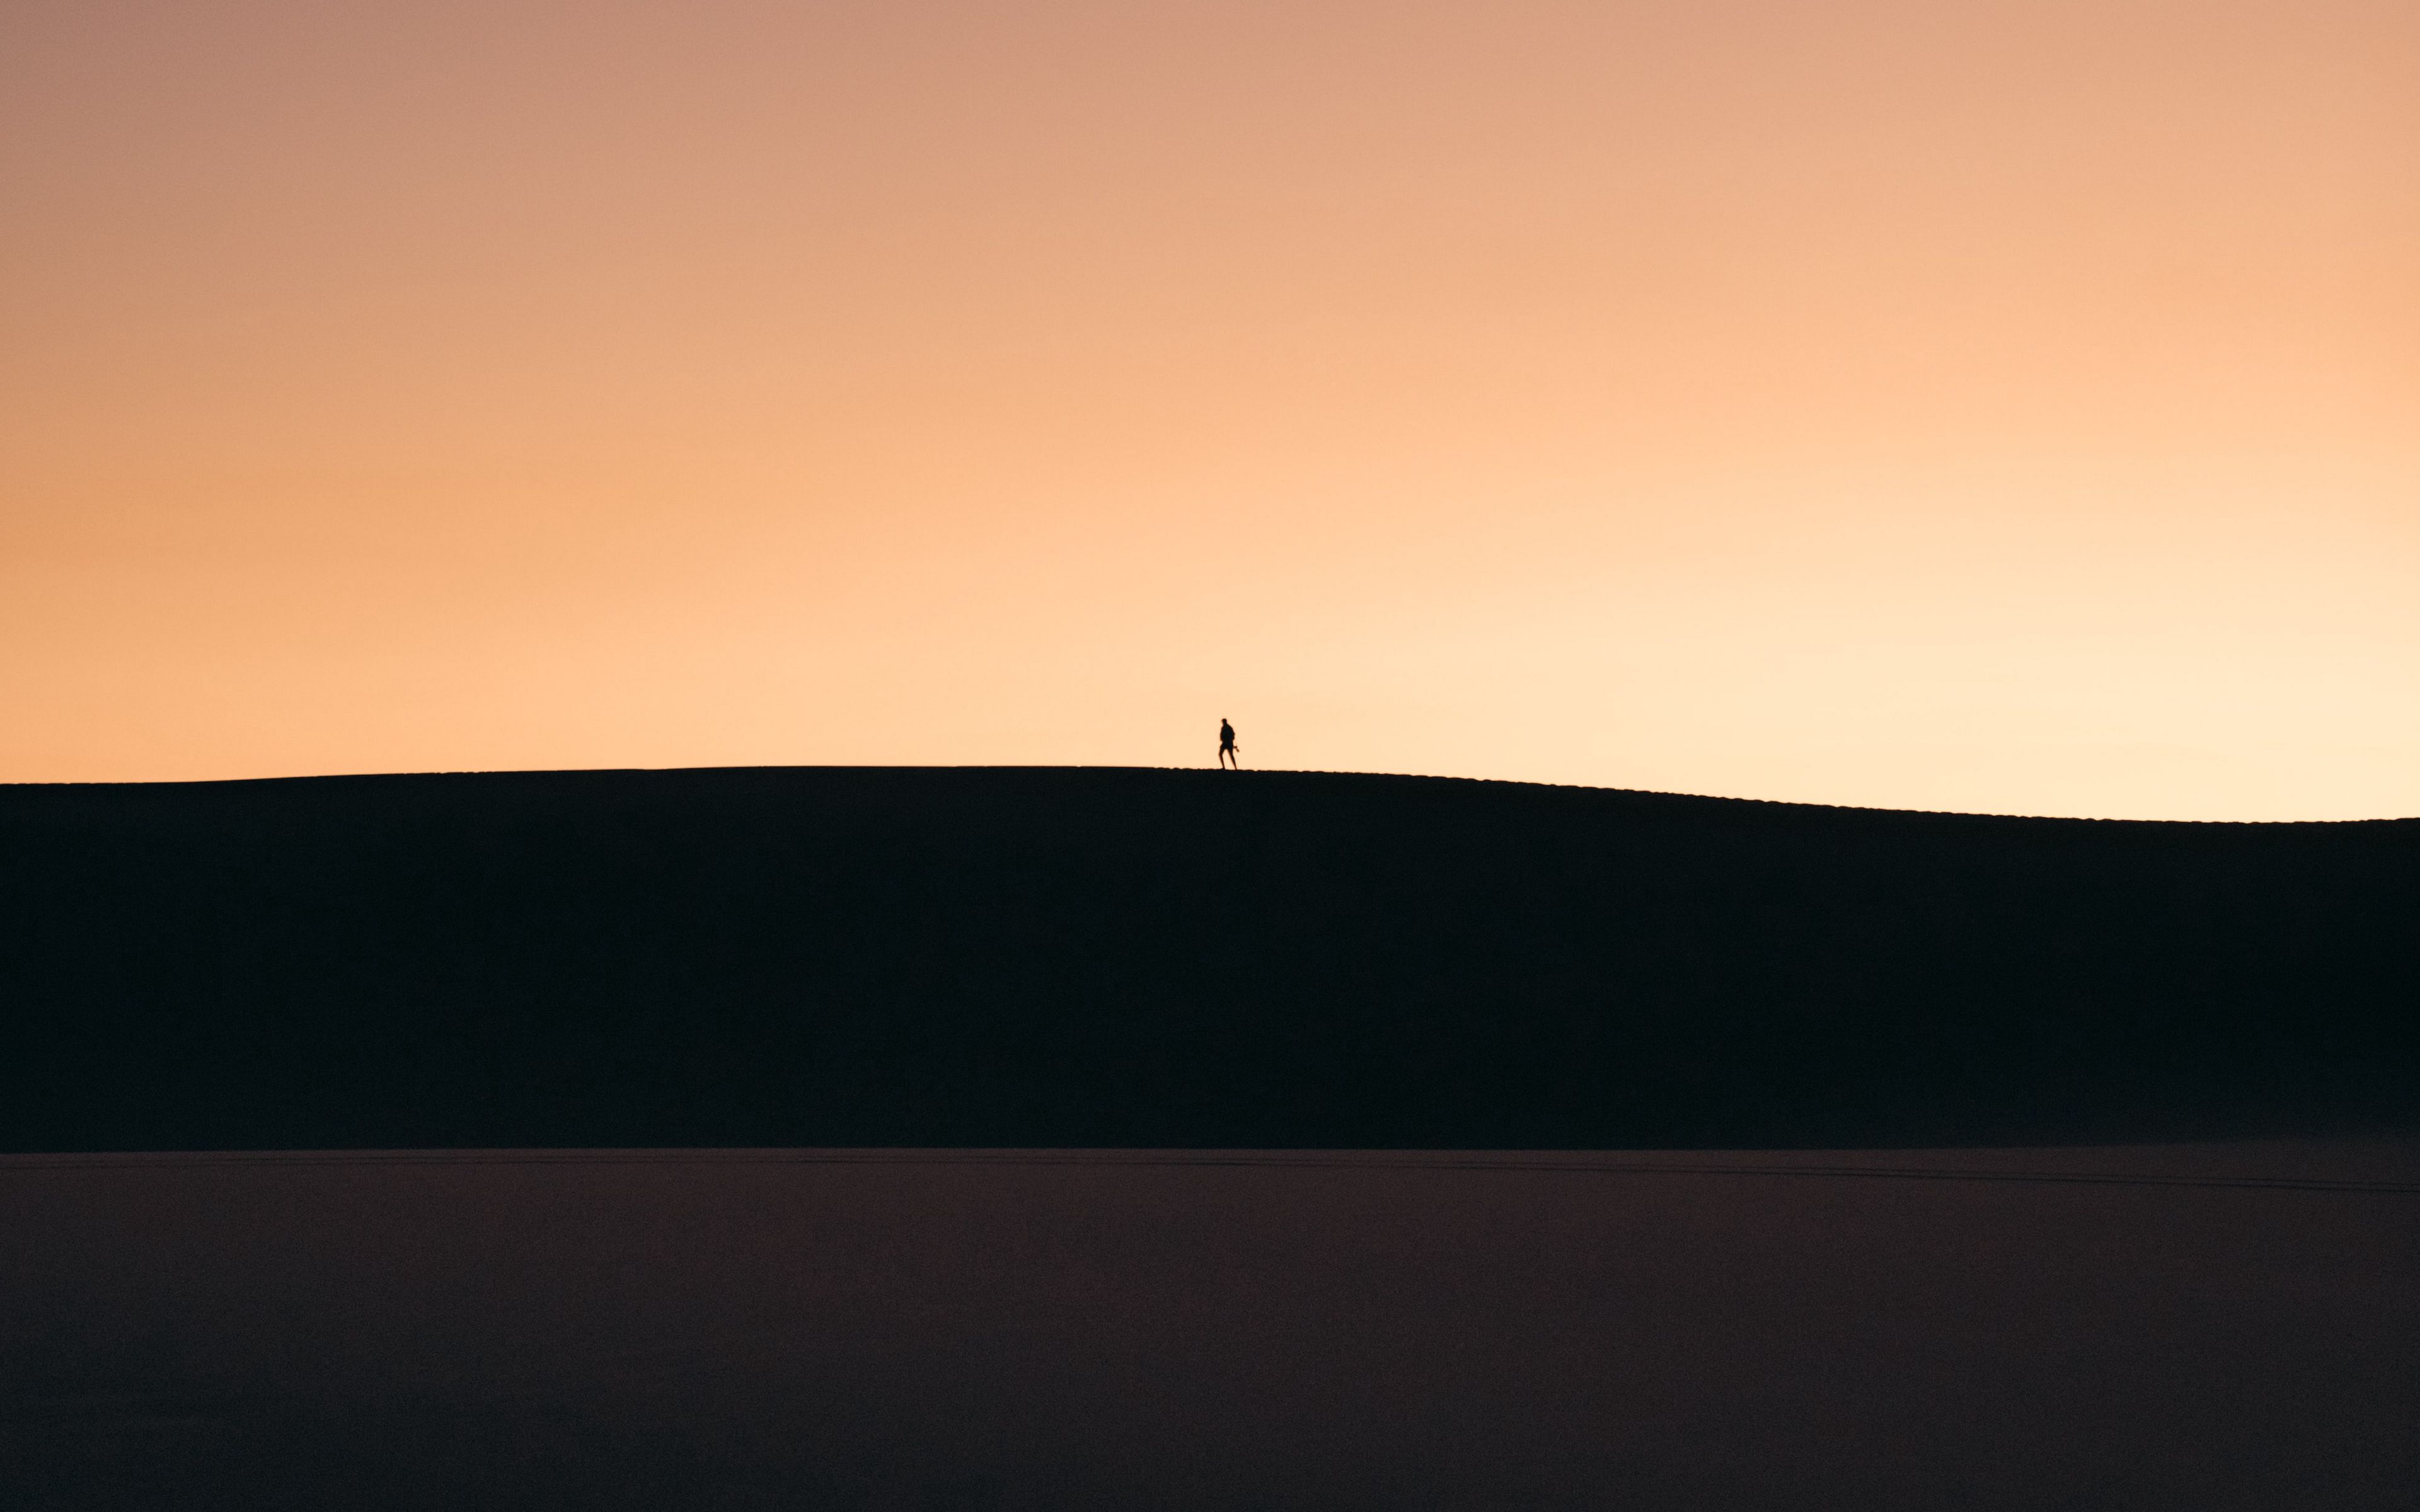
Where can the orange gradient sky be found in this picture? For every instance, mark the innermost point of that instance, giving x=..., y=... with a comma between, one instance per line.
x=2010, y=407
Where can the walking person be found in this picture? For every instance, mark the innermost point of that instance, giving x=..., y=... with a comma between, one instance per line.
x=1227, y=757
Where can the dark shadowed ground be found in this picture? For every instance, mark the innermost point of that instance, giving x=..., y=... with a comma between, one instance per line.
x=1122, y=958
x=2089, y=1174
x=2218, y=1327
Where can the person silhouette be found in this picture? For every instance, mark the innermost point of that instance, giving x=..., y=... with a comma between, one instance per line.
x=1227, y=756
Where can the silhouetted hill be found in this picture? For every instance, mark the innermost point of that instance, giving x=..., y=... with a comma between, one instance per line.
x=1063, y=957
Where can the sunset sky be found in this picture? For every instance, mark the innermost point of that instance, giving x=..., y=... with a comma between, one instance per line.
x=2005, y=407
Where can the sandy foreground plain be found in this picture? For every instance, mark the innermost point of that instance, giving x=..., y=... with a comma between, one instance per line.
x=2205, y=1326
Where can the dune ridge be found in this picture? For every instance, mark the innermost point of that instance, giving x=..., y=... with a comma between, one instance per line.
x=1135, y=957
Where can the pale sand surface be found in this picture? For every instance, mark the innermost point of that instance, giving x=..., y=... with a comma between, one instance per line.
x=2206, y=1326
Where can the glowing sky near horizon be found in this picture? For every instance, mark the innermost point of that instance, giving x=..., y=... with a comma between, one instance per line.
x=2009, y=407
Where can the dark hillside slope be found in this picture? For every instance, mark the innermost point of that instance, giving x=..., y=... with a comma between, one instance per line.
x=1064, y=957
